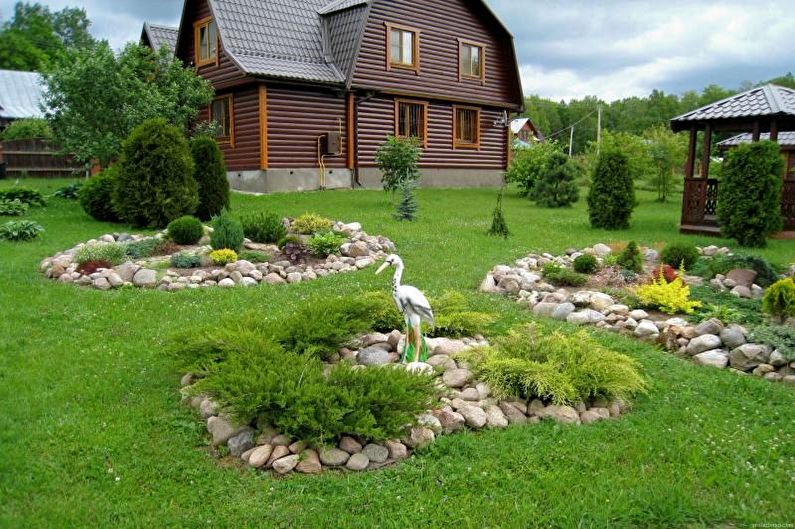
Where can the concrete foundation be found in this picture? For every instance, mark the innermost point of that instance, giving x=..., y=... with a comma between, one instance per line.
x=370, y=177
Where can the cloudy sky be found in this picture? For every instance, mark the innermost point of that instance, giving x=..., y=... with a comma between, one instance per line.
x=573, y=48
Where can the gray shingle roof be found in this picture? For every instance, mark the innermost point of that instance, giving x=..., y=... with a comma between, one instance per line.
x=767, y=100
x=159, y=35
x=20, y=95
x=784, y=138
x=340, y=5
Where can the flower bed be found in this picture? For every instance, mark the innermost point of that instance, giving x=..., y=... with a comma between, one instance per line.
x=710, y=342
x=358, y=251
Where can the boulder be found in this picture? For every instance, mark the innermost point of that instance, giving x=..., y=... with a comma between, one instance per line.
x=646, y=328
x=748, y=356
x=309, y=463
x=474, y=416
x=495, y=418
x=732, y=337
x=710, y=326
x=274, y=279
x=126, y=271
x=601, y=250
x=372, y=356
x=714, y=358
x=488, y=285
x=333, y=457
x=221, y=430
x=449, y=420
x=260, y=456
x=397, y=450
x=445, y=346
x=638, y=314
x=457, y=378
x=545, y=308
x=563, y=310
x=585, y=317
x=286, y=464
x=561, y=414
x=742, y=292
x=428, y=420
x=512, y=413
x=358, y=249
x=376, y=453
x=241, y=442
x=777, y=359
x=442, y=362
x=742, y=277
x=600, y=301
x=374, y=338
x=350, y=445
x=144, y=278
x=420, y=437
x=590, y=417
x=357, y=462
x=470, y=394
x=227, y=283
x=705, y=342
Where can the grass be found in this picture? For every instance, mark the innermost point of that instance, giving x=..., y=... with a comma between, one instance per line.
x=92, y=433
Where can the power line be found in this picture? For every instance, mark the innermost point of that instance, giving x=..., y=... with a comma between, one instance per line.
x=565, y=129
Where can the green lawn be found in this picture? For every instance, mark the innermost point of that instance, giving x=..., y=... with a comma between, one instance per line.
x=92, y=433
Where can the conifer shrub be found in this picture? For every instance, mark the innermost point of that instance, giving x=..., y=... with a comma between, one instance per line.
x=310, y=223
x=611, y=197
x=186, y=230
x=142, y=248
x=556, y=186
x=562, y=276
x=185, y=260
x=155, y=184
x=680, y=255
x=265, y=228
x=407, y=207
x=779, y=299
x=223, y=256
x=96, y=195
x=499, y=228
x=586, y=264
x=749, y=194
x=210, y=175
x=671, y=298
x=630, y=258
x=779, y=337
x=766, y=274
x=455, y=317
x=227, y=232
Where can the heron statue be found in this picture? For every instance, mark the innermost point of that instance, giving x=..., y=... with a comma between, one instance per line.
x=415, y=309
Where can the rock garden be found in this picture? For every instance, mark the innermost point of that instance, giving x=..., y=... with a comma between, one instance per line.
x=227, y=253
x=314, y=392
x=717, y=308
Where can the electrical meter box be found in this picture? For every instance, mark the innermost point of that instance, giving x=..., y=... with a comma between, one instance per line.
x=333, y=145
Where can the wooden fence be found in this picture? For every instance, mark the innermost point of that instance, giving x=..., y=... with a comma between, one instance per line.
x=38, y=159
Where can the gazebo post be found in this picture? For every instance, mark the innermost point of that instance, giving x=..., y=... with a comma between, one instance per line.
x=706, y=153
x=773, y=131
x=690, y=164
x=756, y=132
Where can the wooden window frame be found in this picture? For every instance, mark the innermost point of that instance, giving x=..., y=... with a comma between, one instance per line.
x=473, y=44
x=197, y=26
x=390, y=65
x=458, y=144
x=226, y=140
x=424, y=105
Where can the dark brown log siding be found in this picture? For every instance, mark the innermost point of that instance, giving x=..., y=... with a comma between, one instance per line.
x=442, y=23
x=244, y=155
x=226, y=70
x=296, y=117
x=377, y=121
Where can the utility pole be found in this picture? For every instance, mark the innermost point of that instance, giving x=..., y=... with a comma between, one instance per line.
x=571, y=140
x=599, y=130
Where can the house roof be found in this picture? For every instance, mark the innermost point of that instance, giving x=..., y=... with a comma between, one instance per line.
x=763, y=101
x=340, y=5
x=159, y=35
x=20, y=95
x=786, y=138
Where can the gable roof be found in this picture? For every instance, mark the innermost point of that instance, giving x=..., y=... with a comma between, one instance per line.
x=158, y=35
x=768, y=100
x=20, y=95
x=786, y=138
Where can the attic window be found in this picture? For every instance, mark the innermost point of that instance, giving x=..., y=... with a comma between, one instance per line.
x=206, y=41
x=403, y=47
x=471, y=58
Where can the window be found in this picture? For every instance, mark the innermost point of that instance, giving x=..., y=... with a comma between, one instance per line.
x=222, y=112
x=471, y=56
x=206, y=42
x=466, y=127
x=403, y=48
x=411, y=120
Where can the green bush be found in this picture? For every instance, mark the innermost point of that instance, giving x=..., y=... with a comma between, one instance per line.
x=324, y=244
x=309, y=223
x=96, y=195
x=528, y=165
x=749, y=194
x=13, y=208
x=556, y=186
x=223, y=256
x=254, y=256
x=186, y=230
x=141, y=249
x=455, y=317
x=20, y=230
x=562, y=276
x=263, y=227
x=766, y=274
x=779, y=299
x=680, y=254
x=557, y=367
x=383, y=314
x=113, y=253
x=186, y=260
x=210, y=176
x=779, y=337
x=611, y=198
x=31, y=197
x=227, y=232
x=586, y=264
x=741, y=310
x=289, y=239
x=630, y=258
x=155, y=184
x=69, y=192
x=398, y=159
x=28, y=129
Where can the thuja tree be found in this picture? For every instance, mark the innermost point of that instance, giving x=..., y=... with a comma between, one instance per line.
x=749, y=194
x=611, y=198
x=556, y=186
x=398, y=159
x=210, y=175
x=499, y=228
x=407, y=207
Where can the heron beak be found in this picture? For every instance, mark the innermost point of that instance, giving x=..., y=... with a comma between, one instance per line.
x=382, y=268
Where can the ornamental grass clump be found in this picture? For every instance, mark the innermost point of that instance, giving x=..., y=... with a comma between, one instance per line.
x=671, y=298
x=113, y=253
x=554, y=367
x=779, y=299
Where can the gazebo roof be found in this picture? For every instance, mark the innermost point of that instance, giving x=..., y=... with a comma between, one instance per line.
x=784, y=139
x=765, y=103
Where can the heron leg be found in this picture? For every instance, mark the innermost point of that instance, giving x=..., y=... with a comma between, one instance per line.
x=415, y=327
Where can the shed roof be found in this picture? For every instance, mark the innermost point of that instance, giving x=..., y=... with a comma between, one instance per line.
x=763, y=101
x=20, y=95
x=159, y=35
x=786, y=138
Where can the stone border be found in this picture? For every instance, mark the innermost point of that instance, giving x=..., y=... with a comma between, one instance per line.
x=359, y=251
x=710, y=343
x=468, y=404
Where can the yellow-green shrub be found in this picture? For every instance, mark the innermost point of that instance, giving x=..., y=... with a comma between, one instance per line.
x=223, y=257
x=779, y=299
x=309, y=223
x=671, y=298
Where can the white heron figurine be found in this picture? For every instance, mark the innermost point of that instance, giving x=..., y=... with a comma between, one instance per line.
x=415, y=309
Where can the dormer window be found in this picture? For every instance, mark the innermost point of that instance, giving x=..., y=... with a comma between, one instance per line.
x=471, y=58
x=206, y=42
x=403, y=47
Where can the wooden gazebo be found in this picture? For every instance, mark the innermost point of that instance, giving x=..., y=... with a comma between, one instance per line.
x=763, y=110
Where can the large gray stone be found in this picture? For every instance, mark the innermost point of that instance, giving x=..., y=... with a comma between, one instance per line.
x=545, y=308
x=126, y=271
x=748, y=356
x=646, y=328
x=145, y=278
x=585, y=317
x=475, y=417
x=561, y=414
x=376, y=453
x=309, y=463
x=372, y=356
x=714, y=358
x=457, y=378
x=450, y=420
x=357, y=462
x=563, y=310
x=512, y=413
x=397, y=450
x=333, y=457
x=732, y=337
x=241, y=442
x=286, y=464
x=710, y=326
x=420, y=437
x=221, y=430
x=702, y=343
x=495, y=418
